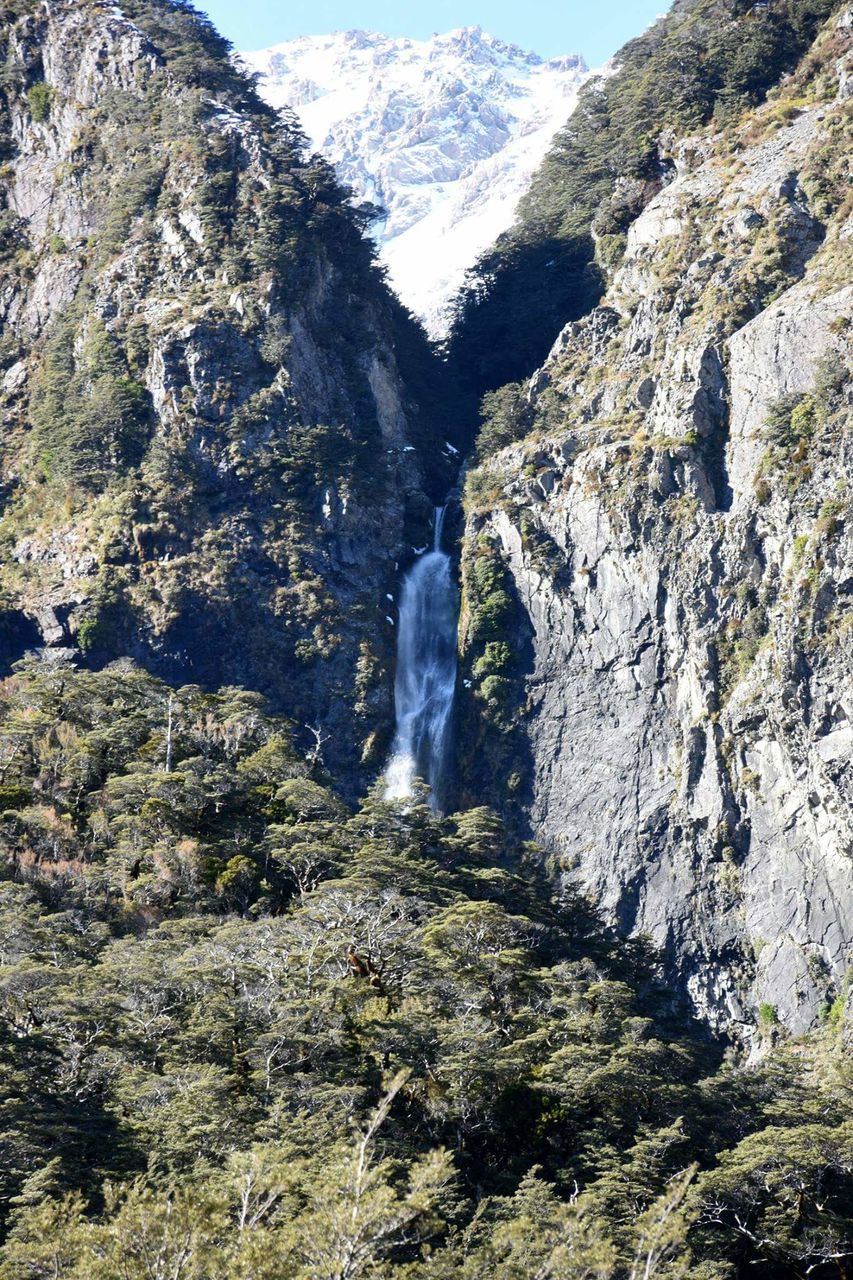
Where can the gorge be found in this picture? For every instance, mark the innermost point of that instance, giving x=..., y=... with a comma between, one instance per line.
x=441, y=136
x=579, y=1007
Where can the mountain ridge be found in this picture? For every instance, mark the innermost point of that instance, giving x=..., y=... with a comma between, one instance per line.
x=442, y=134
x=663, y=513
x=200, y=355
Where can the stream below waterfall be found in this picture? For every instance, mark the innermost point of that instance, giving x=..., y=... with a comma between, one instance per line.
x=426, y=676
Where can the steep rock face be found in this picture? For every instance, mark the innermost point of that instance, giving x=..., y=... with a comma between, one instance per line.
x=210, y=460
x=443, y=134
x=703, y=60
x=673, y=549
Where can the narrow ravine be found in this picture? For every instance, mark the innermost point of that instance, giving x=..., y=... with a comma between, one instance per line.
x=426, y=676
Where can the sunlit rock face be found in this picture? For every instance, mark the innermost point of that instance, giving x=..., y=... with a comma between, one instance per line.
x=678, y=540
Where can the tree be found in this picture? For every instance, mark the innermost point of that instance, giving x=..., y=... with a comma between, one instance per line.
x=362, y=1208
x=46, y=1241
x=786, y=1192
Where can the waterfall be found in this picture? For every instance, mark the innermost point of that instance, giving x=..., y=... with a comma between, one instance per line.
x=426, y=676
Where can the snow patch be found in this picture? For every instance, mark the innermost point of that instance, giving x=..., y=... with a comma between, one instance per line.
x=444, y=134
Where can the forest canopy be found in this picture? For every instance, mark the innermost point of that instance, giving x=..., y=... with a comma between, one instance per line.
x=248, y=1031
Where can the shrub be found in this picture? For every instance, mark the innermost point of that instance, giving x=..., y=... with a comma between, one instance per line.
x=504, y=419
x=496, y=692
x=15, y=796
x=39, y=97
x=492, y=616
x=89, y=417
x=610, y=250
x=87, y=635
x=768, y=1018
x=830, y=517
x=835, y=1013
x=482, y=491
x=803, y=419
x=778, y=422
x=496, y=659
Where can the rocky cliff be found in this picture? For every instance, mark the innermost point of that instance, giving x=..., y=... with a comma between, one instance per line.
x=214, y=455
x=659, y=572
x=223, y=436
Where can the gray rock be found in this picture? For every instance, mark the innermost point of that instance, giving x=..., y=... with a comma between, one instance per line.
x=685, y=705
x=221, y=580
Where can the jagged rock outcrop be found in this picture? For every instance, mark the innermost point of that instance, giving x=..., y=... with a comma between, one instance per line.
x=213, y=452
x=675, y=536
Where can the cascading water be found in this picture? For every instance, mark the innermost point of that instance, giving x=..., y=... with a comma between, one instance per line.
x=426, y=676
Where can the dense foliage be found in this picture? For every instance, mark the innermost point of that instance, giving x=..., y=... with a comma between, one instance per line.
x=89, y=414
x=707, y=59
x=248, y=1032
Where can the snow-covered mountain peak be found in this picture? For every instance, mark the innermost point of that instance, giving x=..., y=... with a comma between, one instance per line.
x=443, y=134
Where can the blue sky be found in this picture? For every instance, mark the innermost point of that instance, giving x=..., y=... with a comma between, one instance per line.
x=594, y=28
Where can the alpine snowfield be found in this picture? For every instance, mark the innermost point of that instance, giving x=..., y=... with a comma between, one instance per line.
x=443, y=134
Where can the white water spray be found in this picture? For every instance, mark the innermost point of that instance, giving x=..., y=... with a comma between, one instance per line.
x=426, y=676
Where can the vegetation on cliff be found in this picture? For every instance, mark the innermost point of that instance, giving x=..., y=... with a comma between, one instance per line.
x=220, y=420
x=705, y=60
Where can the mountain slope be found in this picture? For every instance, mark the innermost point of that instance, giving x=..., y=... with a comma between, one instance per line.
x=658, y=573
x=704, y=60
x=251, y=1029
x=442, y=134
x=214, y=447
